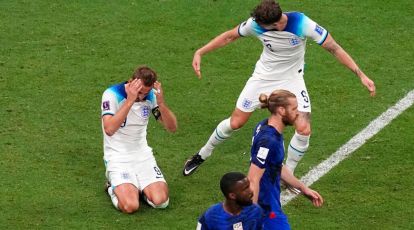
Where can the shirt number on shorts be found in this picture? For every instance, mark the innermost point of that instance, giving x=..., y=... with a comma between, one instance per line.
x=157, y=171
x=305, y=96
x=123, y=123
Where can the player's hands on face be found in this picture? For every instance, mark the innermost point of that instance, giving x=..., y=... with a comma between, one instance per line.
x=369, y=84
x=314, y=196
x=132, y=89
x=159, y=93
x=197, y=64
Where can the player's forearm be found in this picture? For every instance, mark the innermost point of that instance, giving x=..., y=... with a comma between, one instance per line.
x=113, y=123
x=256, y=193
x=168, y=118
x=255, y=187
x=255, y=175
x=341, y=55
x=347, y=61
x=290, y=179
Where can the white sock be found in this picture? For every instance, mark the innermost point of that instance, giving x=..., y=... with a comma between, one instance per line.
x=113, y=197
x=297, y=148
x=220, y=134
x=163, y=205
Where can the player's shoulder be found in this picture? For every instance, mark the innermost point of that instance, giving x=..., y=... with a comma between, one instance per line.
x=213, y=214
x=268, y=138
x=253, y=209
x=117, y=91
x=265, y=130
x=247, y=22
x=250, y=27
x=151, y=96
x=151, y=99
x=214, y=209
x=295, y=15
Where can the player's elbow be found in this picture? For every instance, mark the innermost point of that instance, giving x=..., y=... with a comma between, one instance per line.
x=109, y=131
x=172, y=128
x=170, y=124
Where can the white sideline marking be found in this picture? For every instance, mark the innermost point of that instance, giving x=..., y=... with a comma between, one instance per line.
x=357, y=141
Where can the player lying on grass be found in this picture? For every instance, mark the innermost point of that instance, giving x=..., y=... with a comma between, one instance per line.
x=131, y=168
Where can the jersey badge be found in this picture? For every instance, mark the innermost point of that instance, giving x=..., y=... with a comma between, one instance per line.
x=105, y=105
x=125, y=176
x=145, y=112
x=262, y=154
x=294, y=41
x=247, y=103
x=238, y=226
x=319, y=30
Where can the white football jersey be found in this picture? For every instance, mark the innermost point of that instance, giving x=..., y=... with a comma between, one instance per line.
x=129, y=142
x=283, y=51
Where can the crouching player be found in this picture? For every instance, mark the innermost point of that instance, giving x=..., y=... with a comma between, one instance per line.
x=131, y=169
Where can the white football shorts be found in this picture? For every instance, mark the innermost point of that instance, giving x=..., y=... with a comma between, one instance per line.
x=140, y=173
x=248, y=100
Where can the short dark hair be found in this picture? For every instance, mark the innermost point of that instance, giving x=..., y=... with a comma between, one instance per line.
x=229, y=180
x=146, y=74
x=267, y=12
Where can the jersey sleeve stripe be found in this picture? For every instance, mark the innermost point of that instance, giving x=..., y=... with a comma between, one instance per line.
x=238, y=31
x=324, y=38
x=107, y=114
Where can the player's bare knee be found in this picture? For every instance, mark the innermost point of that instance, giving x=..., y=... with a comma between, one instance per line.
x=304, y=130
x=129, y=207
x=303, y=127
x=237, y=122
x=238, y=119
x=159, y=200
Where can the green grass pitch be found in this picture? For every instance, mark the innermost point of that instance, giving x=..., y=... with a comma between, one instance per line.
x=57, y=57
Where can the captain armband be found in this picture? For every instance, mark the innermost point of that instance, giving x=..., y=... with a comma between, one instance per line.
x=156, y=112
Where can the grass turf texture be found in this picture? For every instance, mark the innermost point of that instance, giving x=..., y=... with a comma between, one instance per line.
x=57, y=57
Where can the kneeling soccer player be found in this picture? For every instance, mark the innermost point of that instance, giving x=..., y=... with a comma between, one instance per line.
x=131, y=168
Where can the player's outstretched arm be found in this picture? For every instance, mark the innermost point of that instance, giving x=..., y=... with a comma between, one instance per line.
x=343, y=57
x=167, y=118
x=289, y=178
x=254, y=175
x=111, y=123
x=219, y=41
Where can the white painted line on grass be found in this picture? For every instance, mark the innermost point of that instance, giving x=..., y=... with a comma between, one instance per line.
x=357, y=141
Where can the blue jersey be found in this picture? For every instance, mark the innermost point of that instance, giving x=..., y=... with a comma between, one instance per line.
x=268, y=153
x=217, y=218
